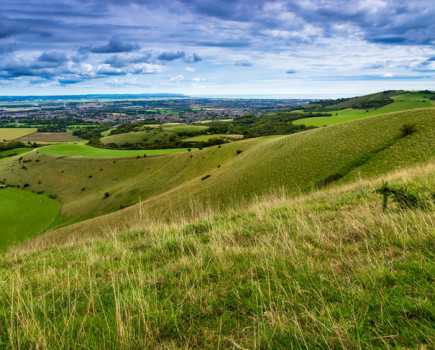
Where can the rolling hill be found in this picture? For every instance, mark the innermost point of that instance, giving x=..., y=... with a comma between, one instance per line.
x=155, y=134
x=350, y=109
x=217, y=178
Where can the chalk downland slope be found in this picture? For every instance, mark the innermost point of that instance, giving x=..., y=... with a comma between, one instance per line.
x=182, y=185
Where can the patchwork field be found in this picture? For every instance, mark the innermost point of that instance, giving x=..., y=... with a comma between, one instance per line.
x=24, y=214
x=88, y=151
x=50, y=137
x=9, y=134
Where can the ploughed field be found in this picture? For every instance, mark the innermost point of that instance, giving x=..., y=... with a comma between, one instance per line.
x=50, y=137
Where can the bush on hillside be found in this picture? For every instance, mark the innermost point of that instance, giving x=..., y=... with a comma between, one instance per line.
x=407, y=129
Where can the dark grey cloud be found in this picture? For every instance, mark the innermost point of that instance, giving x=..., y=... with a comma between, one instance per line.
x=115, y=45
x=53, y=57
x=170, y=56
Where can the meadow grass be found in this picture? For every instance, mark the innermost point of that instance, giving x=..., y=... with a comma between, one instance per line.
x=88, y=151
x=9, y=134
x=326, y=270
x=24, y=214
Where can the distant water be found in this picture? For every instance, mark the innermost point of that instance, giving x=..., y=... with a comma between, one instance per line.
x=277, y=97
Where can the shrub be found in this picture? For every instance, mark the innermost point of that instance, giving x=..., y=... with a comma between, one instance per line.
x=107, y=195
x=205, y=177
x=239, y=151
x=407, y=129
x=403, y=196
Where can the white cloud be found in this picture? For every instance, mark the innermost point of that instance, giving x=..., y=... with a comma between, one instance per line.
x=190, y=69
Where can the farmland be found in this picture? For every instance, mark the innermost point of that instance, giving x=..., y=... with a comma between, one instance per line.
x=50, y=137
x=24, y=214
x=9, y=134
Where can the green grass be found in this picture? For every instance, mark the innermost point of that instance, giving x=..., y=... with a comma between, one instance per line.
x=165, y=184
x=206, y=138
x=152, y=136
x=402, y=102
x=328, y=270
x=24, y=214
x=88, y=151
x=13, y=152
x=10, y=134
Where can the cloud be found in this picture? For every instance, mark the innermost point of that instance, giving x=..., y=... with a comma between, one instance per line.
x=243, y=63
x=190, y=69
x=177, y=78
x=119, y=61
x=290, y=71
x=115, y=45
x=53, y=57
x=170, y=56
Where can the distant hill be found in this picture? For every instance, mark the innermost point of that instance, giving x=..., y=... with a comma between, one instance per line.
x=90, y=97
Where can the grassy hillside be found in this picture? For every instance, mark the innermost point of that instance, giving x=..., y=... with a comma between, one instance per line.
x=327, y=270
x=24, y=214
x=88, y=151
x=13, y=152
x=157, y=134
x=217, y=178
x=401, y=102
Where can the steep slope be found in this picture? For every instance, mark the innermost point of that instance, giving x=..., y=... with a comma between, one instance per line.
x=327, y=270
x=295, y=163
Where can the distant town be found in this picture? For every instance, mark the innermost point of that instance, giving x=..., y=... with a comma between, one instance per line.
x=97, y=109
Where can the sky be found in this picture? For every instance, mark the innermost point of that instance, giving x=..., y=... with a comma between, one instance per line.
x=299, y=48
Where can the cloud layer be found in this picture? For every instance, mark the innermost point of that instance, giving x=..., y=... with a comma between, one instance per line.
x=230, y=43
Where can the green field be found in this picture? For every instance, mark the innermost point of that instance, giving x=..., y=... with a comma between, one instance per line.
x=402, y=102
x=205, y=138
x=88, y=151
x=24, y=214
x=4, y=155
x=9, y=134
x=160, y=133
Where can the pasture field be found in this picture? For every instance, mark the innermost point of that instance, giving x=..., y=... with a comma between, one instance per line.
x=326, y=270
x=50, y=137
x=88, y=151
x=206, y=138
x=4, y=155
x=9, y=134
x=402, y=102
x=24, y=214
x=216, y=178
x=160, y=133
